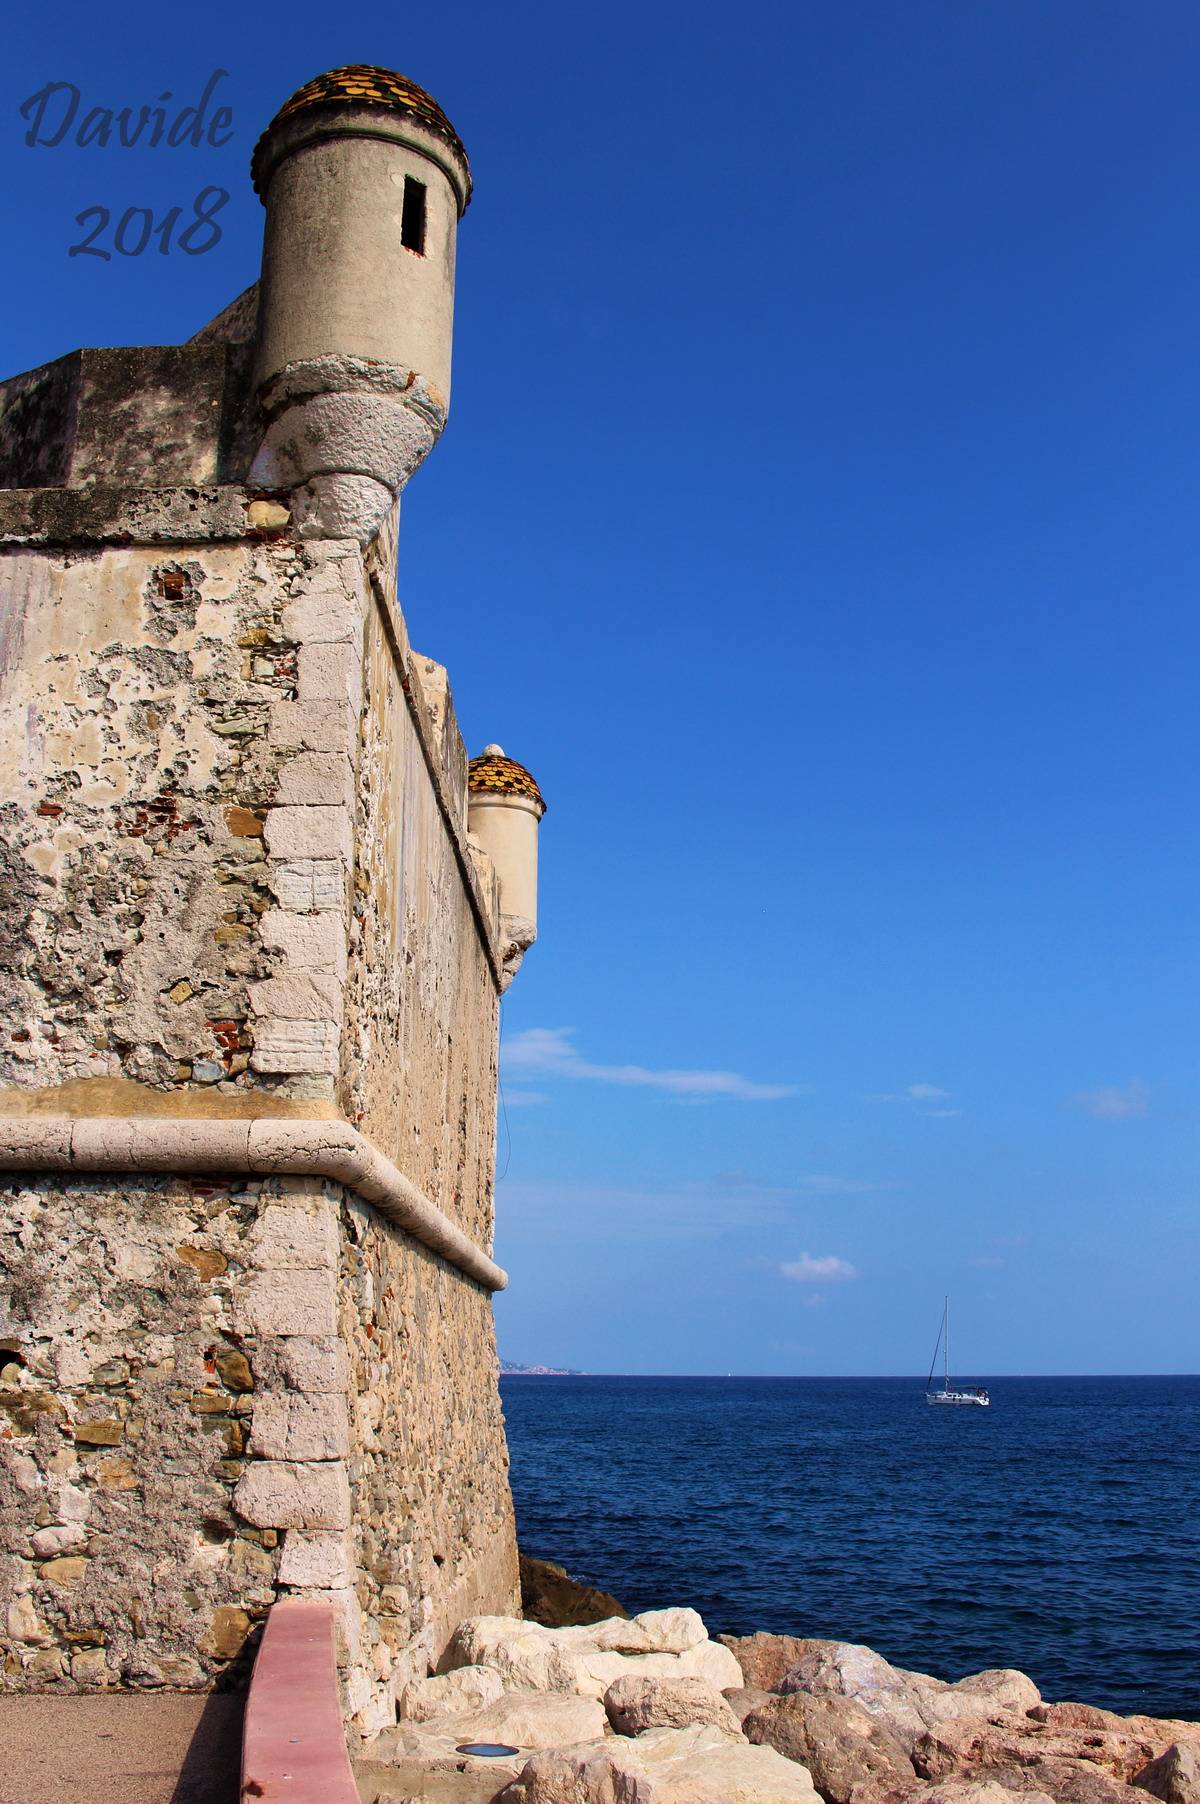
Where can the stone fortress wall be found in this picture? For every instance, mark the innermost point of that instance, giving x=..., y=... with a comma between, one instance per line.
x=251, y=959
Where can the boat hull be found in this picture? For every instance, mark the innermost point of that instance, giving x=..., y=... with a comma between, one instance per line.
x=958, y=1399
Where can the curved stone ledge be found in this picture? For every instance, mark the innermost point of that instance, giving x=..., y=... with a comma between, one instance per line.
x=261, y=1147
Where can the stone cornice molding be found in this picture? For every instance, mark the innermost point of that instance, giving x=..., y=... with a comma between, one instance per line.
x=259, y=1147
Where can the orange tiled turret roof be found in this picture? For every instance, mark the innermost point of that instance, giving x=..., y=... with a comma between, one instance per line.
x=494, y=774
x=362, y=84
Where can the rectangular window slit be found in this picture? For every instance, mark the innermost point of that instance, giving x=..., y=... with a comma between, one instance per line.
x=412, y=216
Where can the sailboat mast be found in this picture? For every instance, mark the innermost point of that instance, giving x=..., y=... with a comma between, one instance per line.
x=946, y=1339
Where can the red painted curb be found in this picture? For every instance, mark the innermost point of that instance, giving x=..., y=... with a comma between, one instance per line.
x=293, y=1742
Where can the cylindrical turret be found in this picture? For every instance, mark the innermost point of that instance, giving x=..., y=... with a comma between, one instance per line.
x=504, y=809
x=364, y=180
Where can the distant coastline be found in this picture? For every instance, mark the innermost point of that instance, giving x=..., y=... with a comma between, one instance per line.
x=509, y=1370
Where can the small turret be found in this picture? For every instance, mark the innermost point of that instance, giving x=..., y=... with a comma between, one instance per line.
x=364, y=180
x=504, y=810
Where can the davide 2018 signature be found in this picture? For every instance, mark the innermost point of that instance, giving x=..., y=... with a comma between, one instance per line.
x=55, y=115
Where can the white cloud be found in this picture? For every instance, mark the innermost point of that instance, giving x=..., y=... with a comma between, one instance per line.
x=1115, y=1102
x=912, y=1093
x=548, y=1052
x=826, y=1268
x=523, y=1099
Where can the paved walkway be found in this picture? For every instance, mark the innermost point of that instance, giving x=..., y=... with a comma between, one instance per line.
x=152, y=1748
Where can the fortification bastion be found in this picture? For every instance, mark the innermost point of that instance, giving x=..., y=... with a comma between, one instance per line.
x=251, y=960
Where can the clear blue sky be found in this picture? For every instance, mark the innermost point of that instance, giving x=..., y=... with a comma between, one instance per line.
x=818, y=520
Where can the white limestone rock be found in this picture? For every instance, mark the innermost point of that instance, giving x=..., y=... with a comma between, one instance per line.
x=525, y=1720
x=525, y=1655
x=709, y=1660
x=595, y=1672
x=701, y=1765
x=698, y=1765
x=597, y=1772
x=530, y=1719
x=1000, y=1688
x=672, y=1631
x=467, y=1689
x=615, y=1635
x=433, y=1770
x=587, y=1659
x=636, y=1704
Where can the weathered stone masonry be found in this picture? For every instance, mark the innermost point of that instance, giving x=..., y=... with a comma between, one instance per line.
x=250, y=968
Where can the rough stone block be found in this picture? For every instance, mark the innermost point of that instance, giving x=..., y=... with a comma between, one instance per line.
x=307, y=942
x=235, y=1369
x=347, y=1624
x=330, y=670
x=316, y=1559
x=299, y=996
x=378, y=1713
x=24, y=1624
x=314, y=1365
x=697, y=1763
x=321, y=616
x=286, y=1045
x=287, y=1426
x=70, y=1569
x=22, y=1470
x=302, y=832
x=91, y=1667
x=58, y=1539
x=226, y=1632
x=287, y=1302
x=433, y=681
x=74, y=1502
x=291, y=1238
x=358, y=1697
x=284, y=1494
x=317, y=777
x=317, y=724
x=306, y=884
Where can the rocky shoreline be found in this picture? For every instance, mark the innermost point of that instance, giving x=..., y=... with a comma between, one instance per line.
x=650, y=1710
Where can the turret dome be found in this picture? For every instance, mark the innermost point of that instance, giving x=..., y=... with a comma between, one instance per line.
x=365, y=85
x=492, y=773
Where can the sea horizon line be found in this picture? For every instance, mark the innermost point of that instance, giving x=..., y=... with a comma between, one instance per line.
x=844, y=1377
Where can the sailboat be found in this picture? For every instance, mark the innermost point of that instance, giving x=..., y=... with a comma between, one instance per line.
x=972, y=1394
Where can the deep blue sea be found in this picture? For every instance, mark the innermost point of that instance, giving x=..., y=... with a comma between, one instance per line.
x=1058, y=1532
